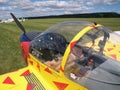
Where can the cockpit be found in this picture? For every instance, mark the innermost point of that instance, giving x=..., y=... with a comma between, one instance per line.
x=88, y=52
x=49, y=47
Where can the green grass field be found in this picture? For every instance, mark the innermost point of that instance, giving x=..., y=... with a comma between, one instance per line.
x=10, y=54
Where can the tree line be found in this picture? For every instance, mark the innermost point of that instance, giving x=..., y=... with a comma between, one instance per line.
x=85, y=15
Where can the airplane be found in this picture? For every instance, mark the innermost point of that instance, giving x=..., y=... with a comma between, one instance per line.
x=71, y=55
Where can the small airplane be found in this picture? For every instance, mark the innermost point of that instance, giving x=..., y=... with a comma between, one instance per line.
x=72, y=55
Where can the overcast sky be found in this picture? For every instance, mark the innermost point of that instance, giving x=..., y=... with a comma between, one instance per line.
x=25, y=8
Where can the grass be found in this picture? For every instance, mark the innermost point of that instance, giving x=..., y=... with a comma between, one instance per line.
x=10, y=54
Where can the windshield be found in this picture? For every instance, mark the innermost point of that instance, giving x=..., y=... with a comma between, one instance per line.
x=49, y=46
x=92, y=60
x=69, y=28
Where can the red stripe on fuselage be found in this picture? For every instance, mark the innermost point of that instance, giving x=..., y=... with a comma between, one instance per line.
x=25, y=49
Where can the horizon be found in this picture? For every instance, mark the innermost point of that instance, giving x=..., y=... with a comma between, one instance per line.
x=35, y=8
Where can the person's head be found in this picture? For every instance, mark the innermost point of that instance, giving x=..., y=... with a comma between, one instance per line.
x=48, y=46
x=77, y=51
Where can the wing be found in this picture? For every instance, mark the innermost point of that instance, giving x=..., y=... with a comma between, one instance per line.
x=21, y=79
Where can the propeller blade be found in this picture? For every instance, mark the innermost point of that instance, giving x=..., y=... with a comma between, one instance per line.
x=18, y=23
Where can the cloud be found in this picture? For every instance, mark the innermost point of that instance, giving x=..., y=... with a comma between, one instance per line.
x=109, y=2
x=63, y=7
x=22, y=4
x=3, y=1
